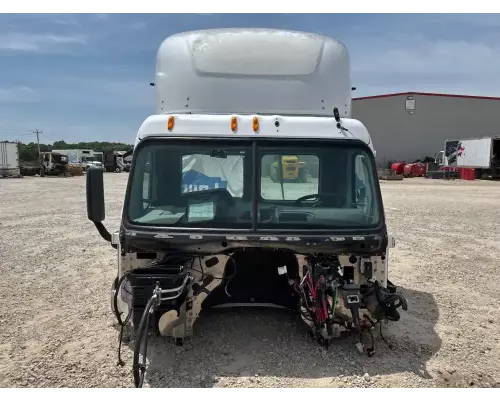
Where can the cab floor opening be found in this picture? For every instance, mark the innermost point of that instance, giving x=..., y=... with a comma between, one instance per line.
x=251, y=276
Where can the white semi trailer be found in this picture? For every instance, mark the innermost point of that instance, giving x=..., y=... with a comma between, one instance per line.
x=202, y=225
x=9, y=160
x=481, y=153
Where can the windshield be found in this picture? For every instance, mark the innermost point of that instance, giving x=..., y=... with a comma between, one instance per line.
x=60, y=158
x=192, y=184
x=212, y=184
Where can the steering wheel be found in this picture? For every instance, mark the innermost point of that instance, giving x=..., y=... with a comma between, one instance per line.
x=313, y=196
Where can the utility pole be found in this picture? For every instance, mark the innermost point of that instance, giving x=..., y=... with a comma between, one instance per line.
x=37, y=132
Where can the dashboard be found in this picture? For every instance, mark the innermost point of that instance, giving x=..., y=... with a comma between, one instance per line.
x=219, y=206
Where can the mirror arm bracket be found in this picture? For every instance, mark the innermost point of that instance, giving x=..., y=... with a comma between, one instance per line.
x=104, y=232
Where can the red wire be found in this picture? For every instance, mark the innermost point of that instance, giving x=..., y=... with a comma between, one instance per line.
x=321, y=312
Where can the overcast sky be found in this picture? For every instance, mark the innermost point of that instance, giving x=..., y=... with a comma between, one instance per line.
x=86, y=77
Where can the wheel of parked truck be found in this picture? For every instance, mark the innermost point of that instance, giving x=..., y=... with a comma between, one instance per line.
x=118, y=169
x=304, y=176
x=274, y=173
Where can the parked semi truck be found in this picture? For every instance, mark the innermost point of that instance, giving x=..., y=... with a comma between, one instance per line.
x=82, y=158
x=482, y=154
x=113, y=161
x=53, y=163
x=203, y=225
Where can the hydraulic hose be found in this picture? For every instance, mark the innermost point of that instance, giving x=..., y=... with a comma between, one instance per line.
x=139, y=369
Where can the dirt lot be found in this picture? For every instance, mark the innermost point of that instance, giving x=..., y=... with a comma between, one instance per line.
x=56, y=328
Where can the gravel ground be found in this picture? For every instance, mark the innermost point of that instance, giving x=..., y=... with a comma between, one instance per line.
x=56, y=328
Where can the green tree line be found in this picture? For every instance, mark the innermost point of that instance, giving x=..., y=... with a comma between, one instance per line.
x=28, y=152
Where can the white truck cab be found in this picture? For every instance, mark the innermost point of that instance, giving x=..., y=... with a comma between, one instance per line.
x=204, y=225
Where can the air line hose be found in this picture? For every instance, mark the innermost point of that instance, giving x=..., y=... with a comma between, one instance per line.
x=118, y=316
x=138, y=368
x=115, y=299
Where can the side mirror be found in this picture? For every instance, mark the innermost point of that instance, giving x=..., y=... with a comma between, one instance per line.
x=95, y=195
x=95, y=201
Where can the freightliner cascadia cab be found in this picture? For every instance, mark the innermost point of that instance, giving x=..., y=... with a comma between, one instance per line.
x=250, y=185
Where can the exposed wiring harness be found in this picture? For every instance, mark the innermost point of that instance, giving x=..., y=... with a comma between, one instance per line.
x=374, y=325
x=319, y=289
x=118, y=314
x=315, y=300
x=319, y=293
x=141, y=342
x=228, y=278
x=202, y=272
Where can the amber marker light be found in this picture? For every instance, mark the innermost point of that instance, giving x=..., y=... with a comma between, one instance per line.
x=234, y=124
x=255, y=124
x=170, y=124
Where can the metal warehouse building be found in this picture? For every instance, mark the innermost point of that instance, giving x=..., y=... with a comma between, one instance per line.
x=411, y=126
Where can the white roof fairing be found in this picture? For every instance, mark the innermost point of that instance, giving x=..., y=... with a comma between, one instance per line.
x=248, y=71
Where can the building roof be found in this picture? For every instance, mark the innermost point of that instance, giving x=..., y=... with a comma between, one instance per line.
x=462, y=96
